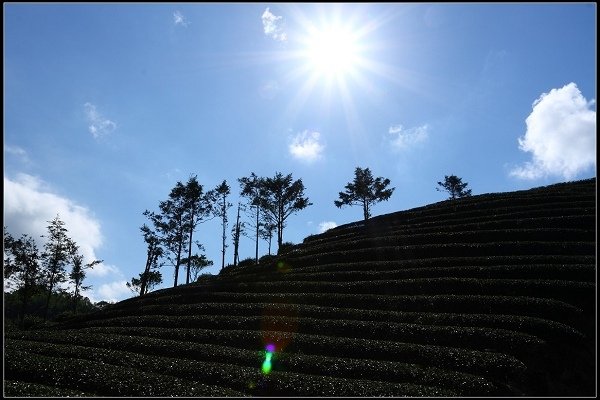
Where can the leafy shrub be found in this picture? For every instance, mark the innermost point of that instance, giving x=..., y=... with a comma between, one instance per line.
x=247, y=262
x=267, y=259
x=285, y=248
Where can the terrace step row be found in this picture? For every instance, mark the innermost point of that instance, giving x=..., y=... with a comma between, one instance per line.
x=462, y=236
x=214, y=344
x=411, y=252
x=198, y=357
x=559, y=222
x=545, y=329
x=360, y=272
x=455, y=217
x=545, y=308
x=101, y=379
x=580, y=294
x=283, y=267
x=440, y=213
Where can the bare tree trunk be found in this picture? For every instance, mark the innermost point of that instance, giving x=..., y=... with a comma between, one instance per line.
x=224, y=228
x=257, y=235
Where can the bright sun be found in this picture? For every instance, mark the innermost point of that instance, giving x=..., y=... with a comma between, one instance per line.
x=332, y=51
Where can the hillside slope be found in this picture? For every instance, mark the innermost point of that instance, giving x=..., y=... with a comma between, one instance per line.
x=492, y=295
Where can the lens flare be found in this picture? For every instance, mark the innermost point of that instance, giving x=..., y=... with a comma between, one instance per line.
x=283, y=267
x=269, y=352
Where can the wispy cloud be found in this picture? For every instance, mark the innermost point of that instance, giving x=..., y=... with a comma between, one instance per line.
x=179, y=19
x=326, y=225
x=402, y=139
x=269, y=90
x=561, y=135
x=98, y=124
x=273, y=26
x=306, y=146
x=17, y=152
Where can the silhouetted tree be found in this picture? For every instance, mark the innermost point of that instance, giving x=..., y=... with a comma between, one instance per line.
x=77, y=276
x=221, y=192
x=180, y=214
x=236, y=232
x=267, y=229
x=148, y=279
x=153, y=254
x=21, y=264
x=57, y=252
x=252, y=188
x=171, y=225
x=196, y=264
x=365, y=191
x=282, y=198
x=198, y=209
x=454, y=186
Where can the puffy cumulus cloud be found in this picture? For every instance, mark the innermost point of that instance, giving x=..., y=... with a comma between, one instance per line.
x=402, y=139
x=273, y=26
x=98, y=124
x=111, y=292
x=29, y=204
x=561, y=135
x=326, y=225
x=179, y=19
x=306, y=146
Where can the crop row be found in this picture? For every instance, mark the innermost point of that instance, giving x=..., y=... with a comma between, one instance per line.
x=552, y=262
x=580, y=294
x=575, y=272
x=488, y=364
x=400, y=220
x=20, y=388
x=480, y=236
x=104, y=379
x=568, y=222
x=445, y=250
x=462, y=211
x=478, y=338
x=545, y=308
x=189, y=360
x=288, y=266
x=545, y=329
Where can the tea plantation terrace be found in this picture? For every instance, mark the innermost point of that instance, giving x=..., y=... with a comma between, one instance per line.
x=490, y=295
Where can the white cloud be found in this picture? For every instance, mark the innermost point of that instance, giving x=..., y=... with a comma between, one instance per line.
x=29, y=205
x=98, y=124
x=305, y=146
x=179, y=19
x=101, y=270
x=561, y=135
x=111, y=292
x=326, y=225
x=273, y=26
x=402, y=139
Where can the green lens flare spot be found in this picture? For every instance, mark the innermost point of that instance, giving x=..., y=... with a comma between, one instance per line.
x=267, y=366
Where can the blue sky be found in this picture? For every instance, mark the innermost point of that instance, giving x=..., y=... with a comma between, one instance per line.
x=107, y=106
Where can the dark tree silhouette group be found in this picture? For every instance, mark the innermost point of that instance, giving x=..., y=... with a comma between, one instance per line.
x=171, y=234
x=33, y=272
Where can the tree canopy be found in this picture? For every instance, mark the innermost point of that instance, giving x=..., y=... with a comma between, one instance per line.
x=365, y=190
x=454, y=186
x=283, y=197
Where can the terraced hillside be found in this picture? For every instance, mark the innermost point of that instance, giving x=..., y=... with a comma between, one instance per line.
x=492, y=295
